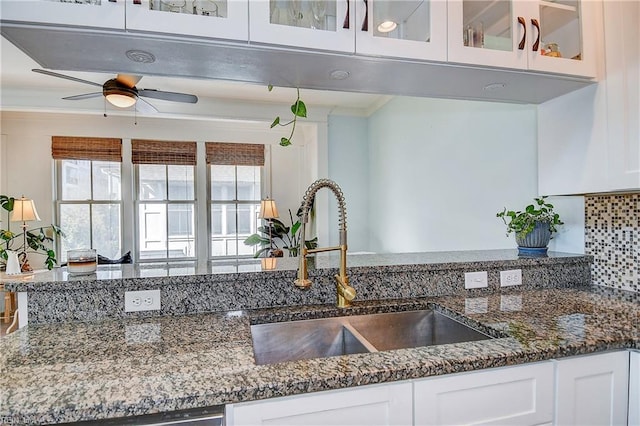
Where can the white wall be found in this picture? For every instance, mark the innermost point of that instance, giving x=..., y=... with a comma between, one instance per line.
x=348, y=167
x=440, y=170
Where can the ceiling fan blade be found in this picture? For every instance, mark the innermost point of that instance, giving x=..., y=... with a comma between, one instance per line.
x=168, y=96
x=84, y=96
x=68, y=77
x=128, y=80
x=145, y=107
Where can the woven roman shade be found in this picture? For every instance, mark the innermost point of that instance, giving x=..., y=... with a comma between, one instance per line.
x=235, y=154
x=82, y=148
x=163, y=152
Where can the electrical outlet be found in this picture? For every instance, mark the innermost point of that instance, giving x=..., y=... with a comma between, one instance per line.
x=512, y=277
x=475, y=279
x=145, y=300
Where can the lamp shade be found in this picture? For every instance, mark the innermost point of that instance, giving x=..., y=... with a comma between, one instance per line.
x=268, y=209
x=24, y=210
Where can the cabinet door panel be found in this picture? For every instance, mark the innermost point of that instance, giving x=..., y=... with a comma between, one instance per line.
x=402, y=28
x=593, y=389
x=622, y=49
x=567, y=37
x=103, y=14
x=226, y=19
x=634, y=388
x=371, y=405
x=314, y=24
x=488, y=33
x=504, y=396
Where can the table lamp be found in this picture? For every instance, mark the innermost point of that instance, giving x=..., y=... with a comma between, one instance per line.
x=24, y=210
x=268, y=210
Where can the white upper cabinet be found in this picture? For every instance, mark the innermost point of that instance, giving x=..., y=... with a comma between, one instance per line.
x=87, y=13
x=415, y=29
x=550, y=36
x=589, y=140
x=312, y=24
x=220, y=19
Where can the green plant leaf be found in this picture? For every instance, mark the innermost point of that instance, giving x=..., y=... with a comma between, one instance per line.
x=285, y=142
x=299, y=109
x=275, y=122
x=270, y=87
x=253, y=240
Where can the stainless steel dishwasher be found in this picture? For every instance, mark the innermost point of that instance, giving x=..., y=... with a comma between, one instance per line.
x=209, y=416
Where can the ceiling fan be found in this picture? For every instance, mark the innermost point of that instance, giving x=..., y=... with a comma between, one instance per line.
x=122, y=92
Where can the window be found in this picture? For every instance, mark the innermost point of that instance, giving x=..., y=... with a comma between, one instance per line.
x=235, y=192
x=88, y=194
x=166, y=203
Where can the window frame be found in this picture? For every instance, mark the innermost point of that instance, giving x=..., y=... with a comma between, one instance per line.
x=59, y=202
x=136, y=224
x=235, y=202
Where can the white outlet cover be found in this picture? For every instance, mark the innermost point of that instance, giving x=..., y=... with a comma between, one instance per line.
x=475, y=279
x=144, y=300
x=511, y=277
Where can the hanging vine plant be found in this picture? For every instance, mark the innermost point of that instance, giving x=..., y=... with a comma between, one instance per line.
x=299, y=109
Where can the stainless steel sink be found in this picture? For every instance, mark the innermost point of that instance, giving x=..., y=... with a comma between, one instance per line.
x=319, y=338
x=294, y=340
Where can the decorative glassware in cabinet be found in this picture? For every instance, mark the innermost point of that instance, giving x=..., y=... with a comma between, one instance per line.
x=312, y=14
x=487, y=24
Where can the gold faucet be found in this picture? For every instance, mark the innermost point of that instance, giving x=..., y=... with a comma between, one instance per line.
x=344, y=292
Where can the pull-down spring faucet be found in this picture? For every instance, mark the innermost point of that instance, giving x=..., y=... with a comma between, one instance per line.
x=344, y=292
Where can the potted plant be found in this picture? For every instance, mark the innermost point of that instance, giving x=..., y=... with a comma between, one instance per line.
x=532, y=227
x=285, y=237
x=35, y=240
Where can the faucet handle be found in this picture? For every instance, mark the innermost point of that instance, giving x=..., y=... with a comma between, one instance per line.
x=348, y=292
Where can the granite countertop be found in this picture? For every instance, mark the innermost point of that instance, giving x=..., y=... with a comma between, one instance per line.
x=324, y=264
x=86, y=371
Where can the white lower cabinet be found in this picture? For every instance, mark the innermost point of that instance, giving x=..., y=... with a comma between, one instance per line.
x=387, y=404
x=634, y=388
x=600, y=389
x=520, y=395
x=593, y=390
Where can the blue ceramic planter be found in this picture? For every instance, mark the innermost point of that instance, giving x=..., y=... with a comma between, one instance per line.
x=538, y=238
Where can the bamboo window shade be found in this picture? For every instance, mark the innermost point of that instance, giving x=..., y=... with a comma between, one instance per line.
x=145, y=151
x=86, y=148
x=235, y=154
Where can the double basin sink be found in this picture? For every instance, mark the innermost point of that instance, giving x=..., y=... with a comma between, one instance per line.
x=326, y=337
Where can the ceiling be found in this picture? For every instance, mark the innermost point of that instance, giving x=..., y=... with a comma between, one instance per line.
x=24, y=90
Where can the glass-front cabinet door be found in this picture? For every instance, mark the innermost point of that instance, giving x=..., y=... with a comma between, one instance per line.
x=414, y=29
x=85, y=13
x=221, y=19
x=314, y=24
x=551, y=36
x=563, y=38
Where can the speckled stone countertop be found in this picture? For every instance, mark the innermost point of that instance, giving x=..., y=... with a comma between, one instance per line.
x=85, y=371
x=322, y=265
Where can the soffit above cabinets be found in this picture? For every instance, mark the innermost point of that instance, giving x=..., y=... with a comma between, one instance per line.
x=72, y=49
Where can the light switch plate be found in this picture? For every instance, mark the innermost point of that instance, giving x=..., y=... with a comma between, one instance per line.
x=144, y=300
x=512, y=277
x=475, y=279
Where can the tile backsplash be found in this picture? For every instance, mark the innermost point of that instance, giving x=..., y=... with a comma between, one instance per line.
x=612, y=237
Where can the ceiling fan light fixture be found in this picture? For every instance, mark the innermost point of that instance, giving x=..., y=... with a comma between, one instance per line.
x=119, y=95
x=121, y=100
